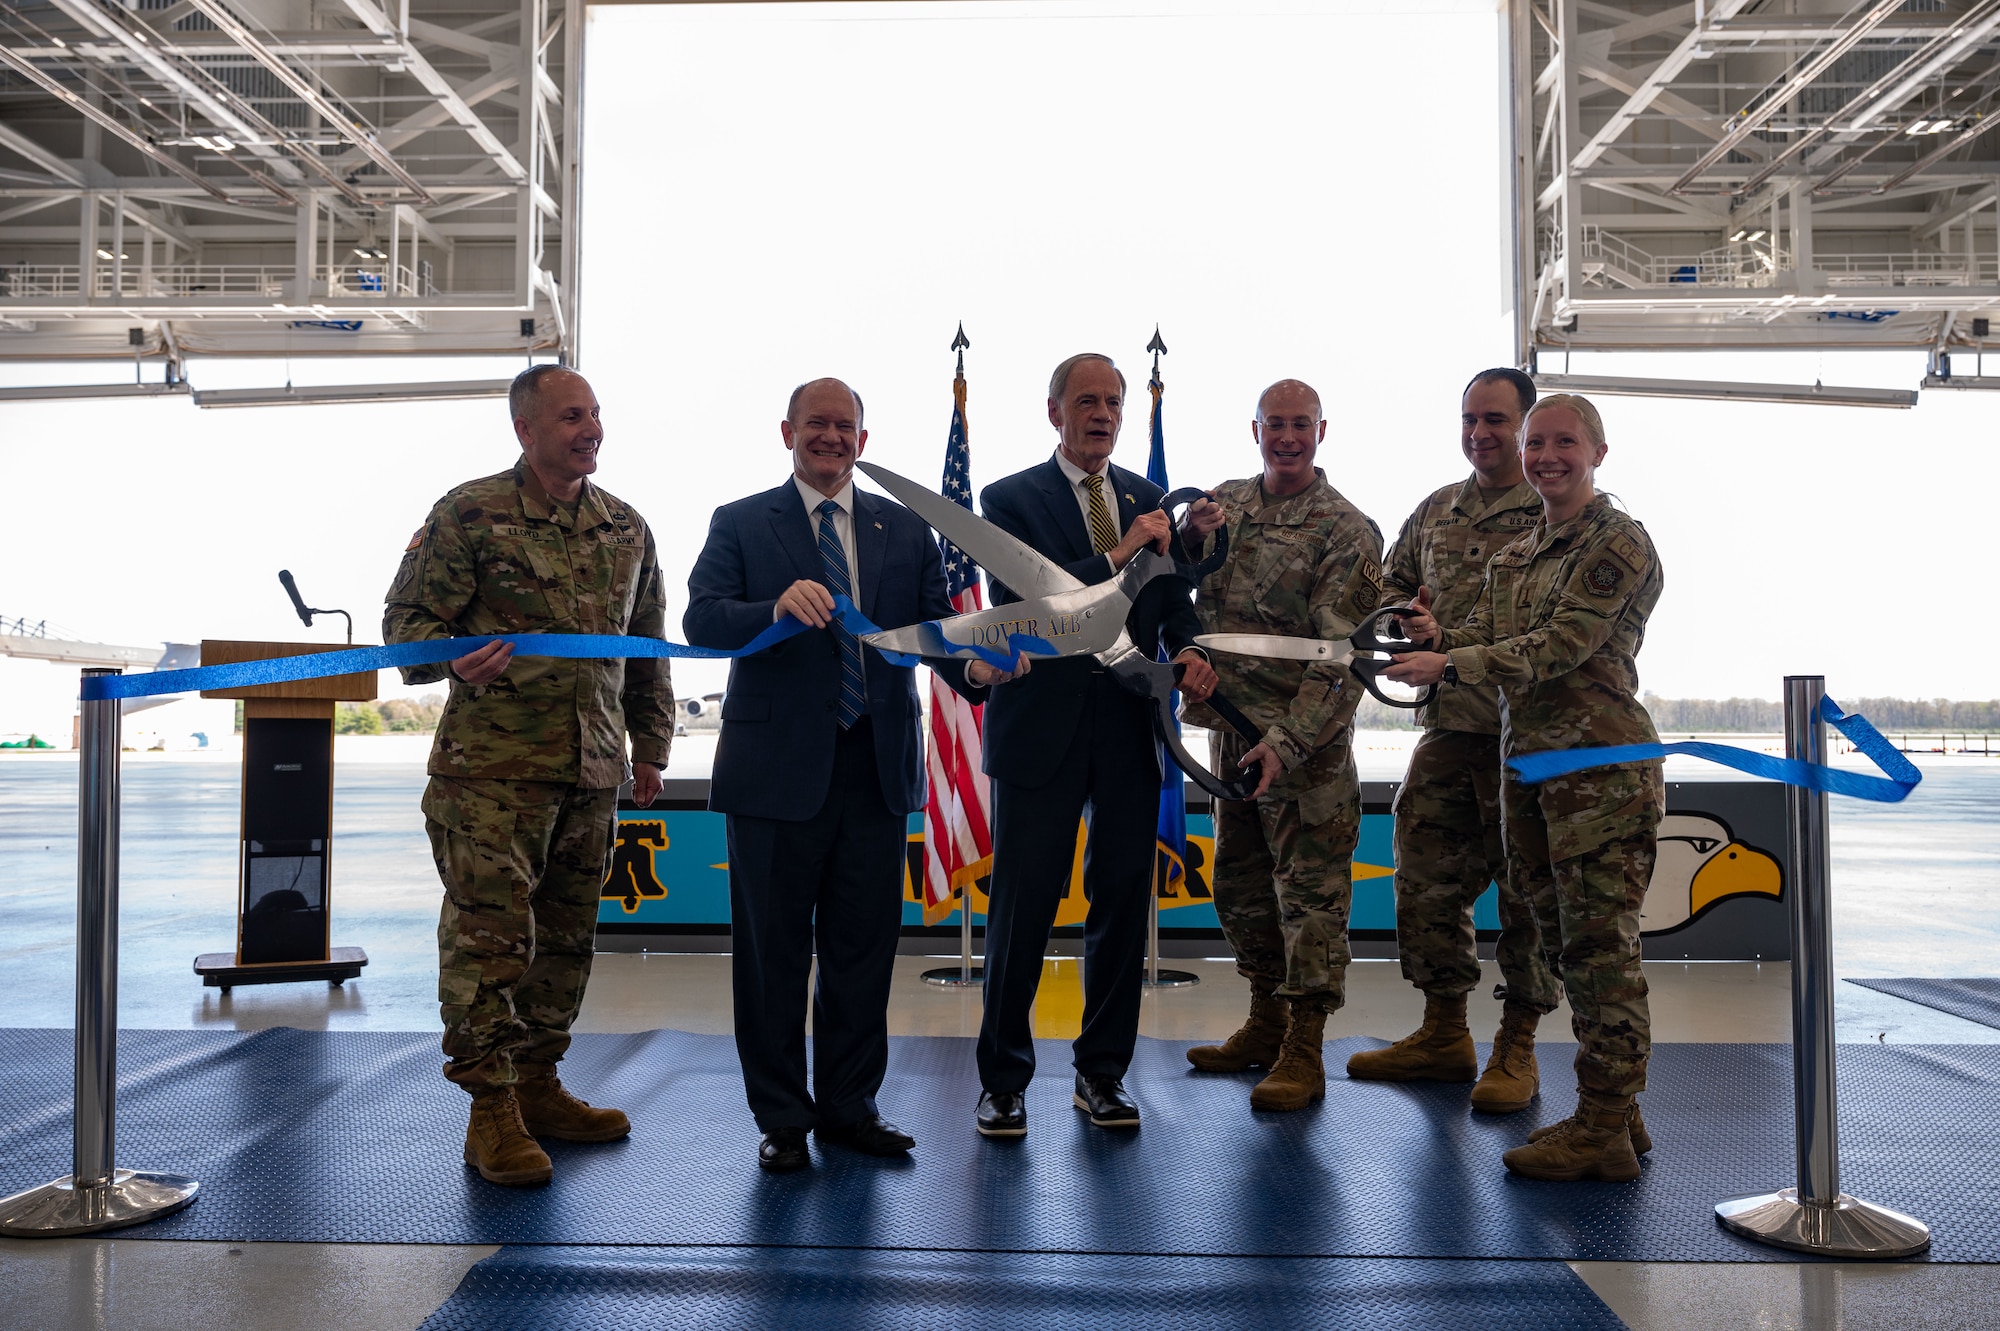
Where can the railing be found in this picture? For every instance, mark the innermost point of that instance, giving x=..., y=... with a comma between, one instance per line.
x=38, y=281
x=1740, y=265
x=1908, y=269
x=194, y=281
x=21, y=628
x=376, y=279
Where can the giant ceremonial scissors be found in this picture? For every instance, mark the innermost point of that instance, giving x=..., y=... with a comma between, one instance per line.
x=1062, y=616
x=1365, y=651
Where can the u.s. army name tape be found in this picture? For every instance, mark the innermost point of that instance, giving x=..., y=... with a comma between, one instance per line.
x=596, y=646
x=1901, y=776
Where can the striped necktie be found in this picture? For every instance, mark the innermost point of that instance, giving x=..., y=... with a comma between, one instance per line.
x=833, y=558
x=1103, y=536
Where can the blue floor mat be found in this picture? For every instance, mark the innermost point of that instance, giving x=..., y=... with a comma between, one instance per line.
x=350, y=1137
x=719, y=1289
x=1974, y=1000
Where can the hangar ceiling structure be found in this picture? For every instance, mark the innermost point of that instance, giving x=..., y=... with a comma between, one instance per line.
x=297, y=177
x=1753, y=174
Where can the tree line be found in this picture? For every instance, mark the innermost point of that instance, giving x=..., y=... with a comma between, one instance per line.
x=391, y=716
x=1760, y=716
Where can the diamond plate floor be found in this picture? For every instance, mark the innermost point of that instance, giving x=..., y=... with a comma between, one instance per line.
x=1974, y=1000
x=720, y=1289
x=352, y=1137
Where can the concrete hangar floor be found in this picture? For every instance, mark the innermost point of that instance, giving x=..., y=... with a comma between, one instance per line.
x=171, y=912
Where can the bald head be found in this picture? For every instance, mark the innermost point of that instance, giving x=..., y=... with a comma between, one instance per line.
x=1292, y=393
x=1288, y=431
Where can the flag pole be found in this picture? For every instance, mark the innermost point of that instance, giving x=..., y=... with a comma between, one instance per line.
x=965, y=974
x=1156, y=978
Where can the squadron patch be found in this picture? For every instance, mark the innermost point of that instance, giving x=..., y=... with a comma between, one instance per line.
x=1604, y=579
x=1366, y=597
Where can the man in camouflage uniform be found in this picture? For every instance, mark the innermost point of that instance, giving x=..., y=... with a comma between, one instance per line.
x=1557, y=627
x=1303, y=563
x=1448, y=842
x=528, y=759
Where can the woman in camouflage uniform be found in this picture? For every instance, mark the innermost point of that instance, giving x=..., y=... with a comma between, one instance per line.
x=1557, y=626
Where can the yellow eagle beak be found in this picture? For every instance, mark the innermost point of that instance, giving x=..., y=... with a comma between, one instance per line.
x=1735, y=870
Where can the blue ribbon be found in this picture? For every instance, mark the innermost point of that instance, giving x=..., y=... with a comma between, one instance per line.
x=592, y=646
x=1902, y=774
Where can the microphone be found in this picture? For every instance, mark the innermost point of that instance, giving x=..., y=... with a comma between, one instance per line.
x=307, y=612
x=298, y=602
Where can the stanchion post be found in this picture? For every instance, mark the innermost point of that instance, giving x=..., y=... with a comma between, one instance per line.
x=965, y=974
x=1815, y=1216
x=1155, y=978
x=95, y=1194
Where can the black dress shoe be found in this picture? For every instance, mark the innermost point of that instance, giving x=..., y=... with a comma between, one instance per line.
x=871, y=1136
x=1002, y=1114
x=1104, y=1099
x=783, y=1150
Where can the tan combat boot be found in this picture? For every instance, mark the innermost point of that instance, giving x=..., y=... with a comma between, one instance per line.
x=1299, y=1076
x=498, y=1146
x=1439, y=1050
x=1594, y=1143
x=549, y=1110
x=1511, y=1078
x=1255, y=1043
x=1635, y=1124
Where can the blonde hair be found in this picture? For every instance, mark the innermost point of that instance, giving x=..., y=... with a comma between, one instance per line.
x=1593, y=424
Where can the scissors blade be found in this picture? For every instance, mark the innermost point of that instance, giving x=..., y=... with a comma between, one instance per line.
x=1272, y=646
x=1082, y=622
x=1023, y=570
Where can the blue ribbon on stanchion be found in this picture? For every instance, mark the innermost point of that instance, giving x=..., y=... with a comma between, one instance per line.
x=1901, y=776
x=595, y=646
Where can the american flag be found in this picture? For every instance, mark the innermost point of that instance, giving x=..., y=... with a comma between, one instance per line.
x=958, y=840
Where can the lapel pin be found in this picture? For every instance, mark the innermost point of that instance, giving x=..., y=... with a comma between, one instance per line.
x=1130, y=500
x=878, y=526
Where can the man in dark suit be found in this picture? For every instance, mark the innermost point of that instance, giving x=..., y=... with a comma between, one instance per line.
x=1066, y=740
x=818, y=767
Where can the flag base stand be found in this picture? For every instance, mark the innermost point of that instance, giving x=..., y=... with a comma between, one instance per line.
x=956, y=976
x=1159, y=979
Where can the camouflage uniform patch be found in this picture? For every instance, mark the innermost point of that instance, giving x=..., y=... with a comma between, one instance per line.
x=1581, y=848
x=1304, y=565
x=523, y=863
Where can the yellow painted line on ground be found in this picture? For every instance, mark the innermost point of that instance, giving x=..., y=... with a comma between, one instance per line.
x=1058, y=1012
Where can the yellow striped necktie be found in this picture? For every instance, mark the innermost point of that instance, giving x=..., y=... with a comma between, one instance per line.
x=1103, y=536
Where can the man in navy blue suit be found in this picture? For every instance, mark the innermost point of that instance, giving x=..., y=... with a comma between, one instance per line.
x=818, y=768
x=1065, y=741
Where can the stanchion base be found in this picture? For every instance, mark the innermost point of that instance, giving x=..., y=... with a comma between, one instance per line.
x=956, y=976
x=1166, y=979
x=131, y=1197
x=1848, y=1228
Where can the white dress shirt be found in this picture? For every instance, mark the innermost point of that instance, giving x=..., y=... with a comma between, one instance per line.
x=1077, y=487
x=843, y=527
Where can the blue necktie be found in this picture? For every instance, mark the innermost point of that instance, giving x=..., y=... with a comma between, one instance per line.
x=833, y=557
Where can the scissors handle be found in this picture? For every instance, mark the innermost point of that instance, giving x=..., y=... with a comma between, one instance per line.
x=1183, y=562
x=1368, y=638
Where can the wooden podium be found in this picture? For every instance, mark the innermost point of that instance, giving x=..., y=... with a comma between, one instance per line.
x=285, y=852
